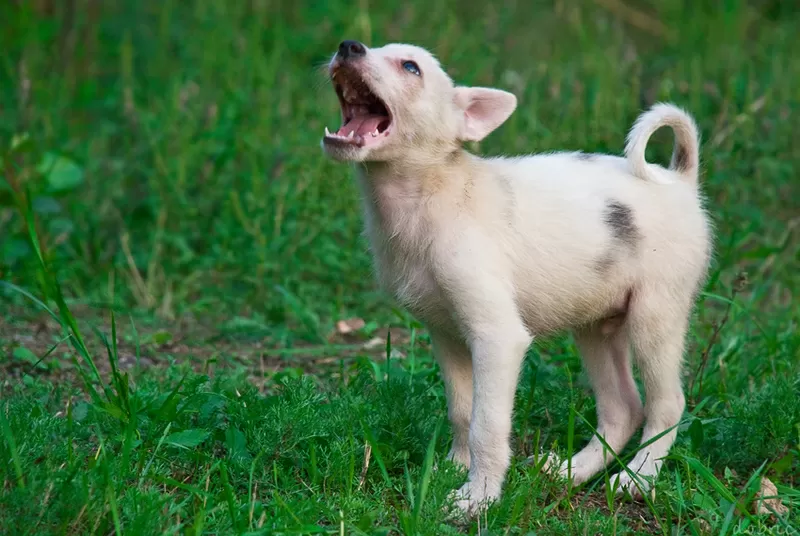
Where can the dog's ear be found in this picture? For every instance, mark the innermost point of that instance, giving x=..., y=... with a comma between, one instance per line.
x=484, y=110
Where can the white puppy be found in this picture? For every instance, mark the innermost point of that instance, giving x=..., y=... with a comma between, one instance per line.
x=490, y=253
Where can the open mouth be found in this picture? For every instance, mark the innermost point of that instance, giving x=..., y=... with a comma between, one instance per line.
x=366, y=119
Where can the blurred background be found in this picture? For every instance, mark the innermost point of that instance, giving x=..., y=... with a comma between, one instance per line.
x=162, y=159
x=170, y=150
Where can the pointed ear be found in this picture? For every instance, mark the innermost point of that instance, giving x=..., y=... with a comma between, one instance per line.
x=484, y=110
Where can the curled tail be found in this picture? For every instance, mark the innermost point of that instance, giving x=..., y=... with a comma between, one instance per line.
x=685, y=155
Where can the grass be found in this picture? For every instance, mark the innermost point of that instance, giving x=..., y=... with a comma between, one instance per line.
x=162, y=162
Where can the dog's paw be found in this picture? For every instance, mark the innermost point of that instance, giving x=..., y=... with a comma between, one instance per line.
x=470, y=501
x=635, y=486
x=579, y=469
x=551, y=466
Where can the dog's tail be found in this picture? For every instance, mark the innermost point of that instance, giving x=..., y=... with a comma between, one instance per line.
x=685, y=155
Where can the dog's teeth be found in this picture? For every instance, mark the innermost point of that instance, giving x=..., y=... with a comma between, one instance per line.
x=327, y=132
x=350, y=135
x=374, y=134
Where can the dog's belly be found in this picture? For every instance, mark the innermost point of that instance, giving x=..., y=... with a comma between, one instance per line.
x=543, y=309
x=555, y=308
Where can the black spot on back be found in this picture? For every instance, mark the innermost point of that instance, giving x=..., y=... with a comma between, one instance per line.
x=585, y=156
x=619, y=217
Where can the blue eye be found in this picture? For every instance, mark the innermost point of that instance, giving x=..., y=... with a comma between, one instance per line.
x=411, y=67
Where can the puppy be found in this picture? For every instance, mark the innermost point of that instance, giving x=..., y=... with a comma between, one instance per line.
x=490, y=253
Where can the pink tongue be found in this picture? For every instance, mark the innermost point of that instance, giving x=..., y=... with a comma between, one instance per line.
x=362, y=125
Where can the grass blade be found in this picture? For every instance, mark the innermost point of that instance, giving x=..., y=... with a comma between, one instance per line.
x=377, y=454
x=12, y=447
x=427, y=471
x=228, y=493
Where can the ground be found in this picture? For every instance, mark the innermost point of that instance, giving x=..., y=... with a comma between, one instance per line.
x=176, y=258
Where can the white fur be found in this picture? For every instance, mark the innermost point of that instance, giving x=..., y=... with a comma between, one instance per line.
x=489, y=253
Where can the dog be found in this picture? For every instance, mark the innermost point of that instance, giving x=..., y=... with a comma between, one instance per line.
x=491, y=252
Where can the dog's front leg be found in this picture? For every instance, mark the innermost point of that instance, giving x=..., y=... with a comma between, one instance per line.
x=456, y=366
x=497, y=353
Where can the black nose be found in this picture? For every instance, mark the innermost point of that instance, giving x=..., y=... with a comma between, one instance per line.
x=351, y=49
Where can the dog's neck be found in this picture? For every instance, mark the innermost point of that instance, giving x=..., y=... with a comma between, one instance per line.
x=396, y=191
x=425, y=174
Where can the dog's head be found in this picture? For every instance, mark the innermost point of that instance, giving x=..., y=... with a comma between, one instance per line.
x=397, y=99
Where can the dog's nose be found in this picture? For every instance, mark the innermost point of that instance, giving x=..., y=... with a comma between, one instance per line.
x=351, y=49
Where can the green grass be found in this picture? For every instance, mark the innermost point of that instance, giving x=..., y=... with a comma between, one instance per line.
x=162, y=161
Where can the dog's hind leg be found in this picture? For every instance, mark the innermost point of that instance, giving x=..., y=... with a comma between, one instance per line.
x=658, y=322
x=606, y=357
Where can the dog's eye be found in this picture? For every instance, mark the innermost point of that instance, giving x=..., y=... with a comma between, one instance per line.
x=411, y=67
